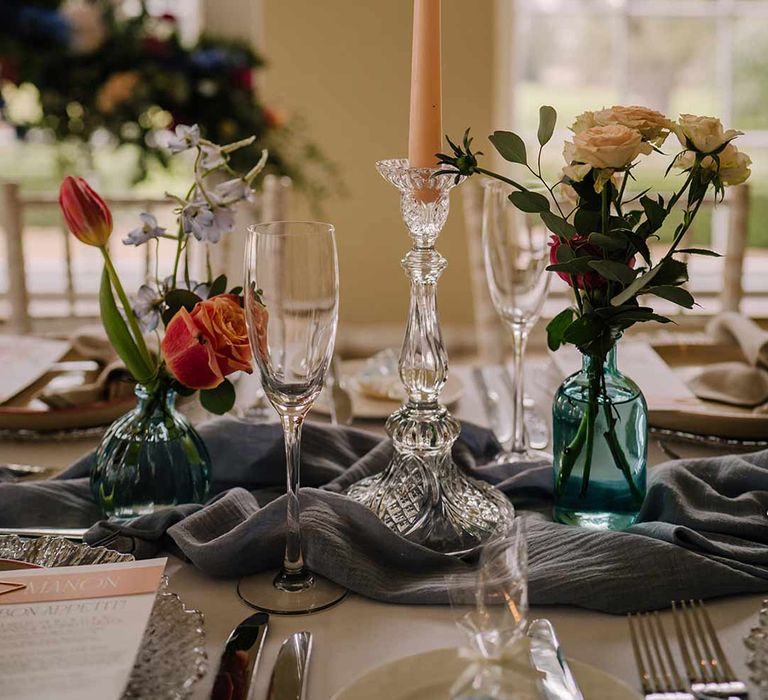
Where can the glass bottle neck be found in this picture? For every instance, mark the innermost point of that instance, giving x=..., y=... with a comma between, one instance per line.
x=163, y=398
x=609, y=366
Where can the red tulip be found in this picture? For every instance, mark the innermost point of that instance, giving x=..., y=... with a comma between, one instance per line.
x=204, y=346
x=87, y=215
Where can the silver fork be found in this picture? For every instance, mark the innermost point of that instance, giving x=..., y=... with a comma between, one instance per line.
x=655, y=664
x=706, y=665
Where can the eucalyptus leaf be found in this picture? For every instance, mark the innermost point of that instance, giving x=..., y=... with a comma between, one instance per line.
x=119, y=335
x=529, y=202
x=556, y=328
x=612, y=270
x=220, y=399
x=677, y=295
x=510, y=146
x=671, y=272
x=218, y=286
x=564, y=253
x=655, y=213
x=610, y=243
x=547, y=121
x=575, y=265
x=632, y=218
x=668, y=272
x=558, y=225
x=586, y=221
x=640, y=245
x=700, y=251
x=583, y=330
x=634, y=287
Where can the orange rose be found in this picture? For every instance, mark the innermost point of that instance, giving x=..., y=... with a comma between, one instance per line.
x=204, y=346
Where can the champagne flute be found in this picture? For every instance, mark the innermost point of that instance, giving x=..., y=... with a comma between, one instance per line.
x=291, y=308
x=516, y=256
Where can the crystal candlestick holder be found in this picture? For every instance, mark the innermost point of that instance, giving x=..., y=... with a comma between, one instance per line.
x=422, y=495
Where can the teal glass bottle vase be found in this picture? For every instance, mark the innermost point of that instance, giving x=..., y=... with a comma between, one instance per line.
x=150, y=458
x=600, y=442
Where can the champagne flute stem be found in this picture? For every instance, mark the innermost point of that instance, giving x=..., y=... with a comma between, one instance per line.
x=293, y=575
x=519, y=341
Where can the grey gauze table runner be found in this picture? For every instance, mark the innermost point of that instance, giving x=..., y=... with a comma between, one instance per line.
x=703, y=531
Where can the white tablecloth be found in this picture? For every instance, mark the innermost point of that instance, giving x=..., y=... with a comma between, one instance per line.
x=359, y=634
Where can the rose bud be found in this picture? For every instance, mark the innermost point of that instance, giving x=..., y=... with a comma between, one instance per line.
x=87, y=215
x=204, y=346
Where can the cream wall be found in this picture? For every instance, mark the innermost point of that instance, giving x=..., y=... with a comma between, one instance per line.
x=345, y=66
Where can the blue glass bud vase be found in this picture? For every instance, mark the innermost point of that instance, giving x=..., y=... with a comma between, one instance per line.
x=600, y=442
x=150, y=458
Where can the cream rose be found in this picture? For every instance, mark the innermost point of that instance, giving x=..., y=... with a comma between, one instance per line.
x=584, y=121
x=614, y=146
x=652, y=125
x=734, y=165
x=704, y=134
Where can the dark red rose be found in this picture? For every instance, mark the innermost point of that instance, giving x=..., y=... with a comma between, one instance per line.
x=580, y=245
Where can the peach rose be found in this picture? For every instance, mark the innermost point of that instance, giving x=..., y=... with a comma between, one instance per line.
x=703, y=134
x=734, y=165
x=604, y=149
x=204, y=346
x=652, y=125
x=586, y=120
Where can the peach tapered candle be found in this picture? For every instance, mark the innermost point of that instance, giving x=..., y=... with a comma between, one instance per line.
x=426, y=118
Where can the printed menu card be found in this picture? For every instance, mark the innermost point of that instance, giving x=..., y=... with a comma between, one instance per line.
x=73, y=632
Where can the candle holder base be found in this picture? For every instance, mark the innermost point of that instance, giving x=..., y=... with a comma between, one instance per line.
x=422, y=495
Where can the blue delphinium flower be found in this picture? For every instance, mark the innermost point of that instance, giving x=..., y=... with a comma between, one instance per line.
x=184, y=138
x=146, y=308
x=197, y=219
x=148, y=229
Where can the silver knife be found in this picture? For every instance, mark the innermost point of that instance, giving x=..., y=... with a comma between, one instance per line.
x=240, y=659
x=501, y=429
x=289, y=676
x=69, y=533
x=547, y=656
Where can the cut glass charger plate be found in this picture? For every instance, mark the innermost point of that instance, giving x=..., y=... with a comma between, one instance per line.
x=172, y=658
x=370, y=407
x=757, y=658
x=429, y=676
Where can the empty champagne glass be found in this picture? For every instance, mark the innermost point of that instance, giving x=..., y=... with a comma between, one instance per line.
x=291, y=307
x=516, y=256
x=490, y=609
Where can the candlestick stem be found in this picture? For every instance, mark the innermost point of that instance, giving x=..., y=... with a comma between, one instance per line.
x=422, y=494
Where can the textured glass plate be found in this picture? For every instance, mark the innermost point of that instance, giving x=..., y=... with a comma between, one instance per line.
x=172, y=656
x=757, y=658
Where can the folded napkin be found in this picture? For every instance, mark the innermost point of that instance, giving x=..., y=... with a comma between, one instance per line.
x=112, y=382
x=703, y=530
x=733, y=327
x=736, y=383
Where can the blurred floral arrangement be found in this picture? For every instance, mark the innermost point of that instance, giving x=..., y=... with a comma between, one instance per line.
x=204, y=337
x=97, y=69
